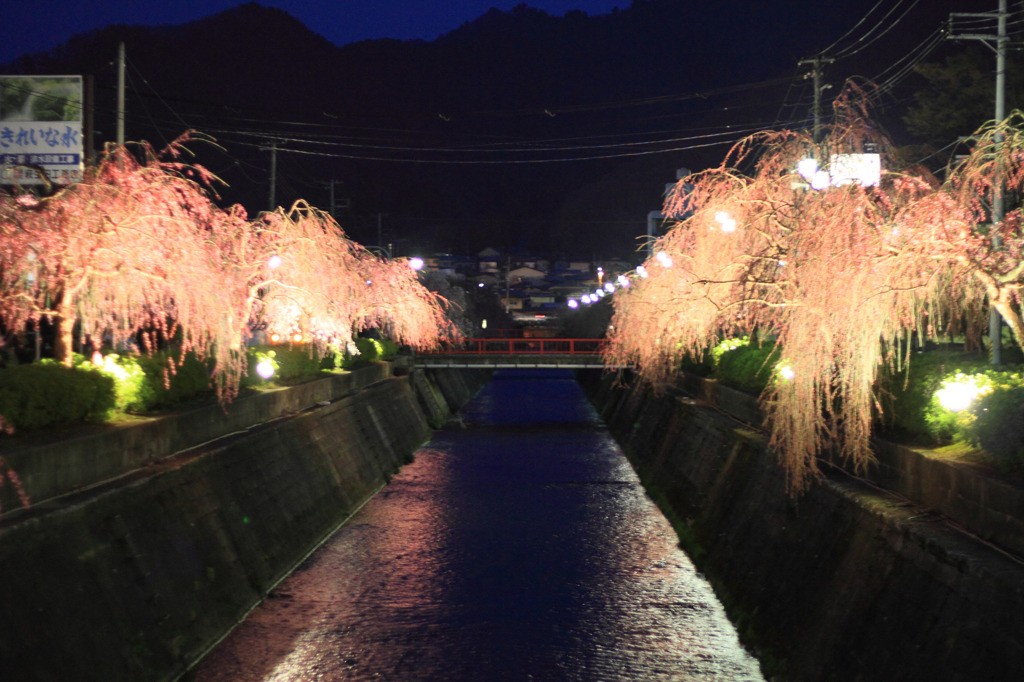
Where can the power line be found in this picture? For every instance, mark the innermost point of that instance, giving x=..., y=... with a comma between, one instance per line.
x=857, y=48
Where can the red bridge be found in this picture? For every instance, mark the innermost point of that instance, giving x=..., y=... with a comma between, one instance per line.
x=522, y=352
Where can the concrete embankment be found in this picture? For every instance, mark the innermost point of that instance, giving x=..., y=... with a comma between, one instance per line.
x=134, y=577
x=846, y=582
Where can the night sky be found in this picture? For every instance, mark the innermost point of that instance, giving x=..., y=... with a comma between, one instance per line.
x=624, y=148
x=40, y=25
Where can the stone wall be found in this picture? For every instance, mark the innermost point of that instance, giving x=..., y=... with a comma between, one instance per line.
x=847, y=582
x=48, y=466
x=137, y=577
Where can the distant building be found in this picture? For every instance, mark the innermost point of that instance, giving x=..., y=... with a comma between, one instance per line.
x=489, y=261
x=525, y=275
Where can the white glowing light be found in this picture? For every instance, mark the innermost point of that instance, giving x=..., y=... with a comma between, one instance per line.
x=957, y=397
x=641, y=270
x=416, y=263
x=274, y=262
x=264, y=369
x=860, y=169
x=609, y=287
x=573, y=303
x=726, y=221
x=787, y=373
x=623, y=281
x=807, y=168
x=959, y=392
x=820, y=180
x=600, y=293
x=664, y=259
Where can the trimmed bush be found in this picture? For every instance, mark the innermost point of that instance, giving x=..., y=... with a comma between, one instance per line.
x=748, y=367
x=295, y=362
x=702, y=367
x=170, y=383
x=389, y=349
x=367, y=351
x=998, y=427
x=910, y=409
x=46, y=394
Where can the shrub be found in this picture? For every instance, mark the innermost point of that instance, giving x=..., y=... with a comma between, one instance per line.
x=907, y=396
x=389, y=349
x=132, y=387
x=748, y=367
x=47, y=393
x=171, y=382
x=295, y=362
x=367, y=351
x=998, y=423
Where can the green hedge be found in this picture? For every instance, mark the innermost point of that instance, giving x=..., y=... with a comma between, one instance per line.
x=998, y=424
x=48, y=394
x=169, y=382
x=747, y=367
x=293, y=362
x=907, y=395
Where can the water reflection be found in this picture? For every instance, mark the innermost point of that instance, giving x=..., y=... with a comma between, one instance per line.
x=520, y=547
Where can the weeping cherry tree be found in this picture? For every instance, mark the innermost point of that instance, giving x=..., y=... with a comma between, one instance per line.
x=837, y=272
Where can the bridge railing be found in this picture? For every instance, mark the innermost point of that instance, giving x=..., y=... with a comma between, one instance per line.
x=521, y=347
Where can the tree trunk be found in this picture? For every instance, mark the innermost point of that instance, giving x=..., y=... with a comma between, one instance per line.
x=63, y=343
x=1011, y=317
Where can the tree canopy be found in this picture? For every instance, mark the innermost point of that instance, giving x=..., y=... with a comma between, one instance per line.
x=836, y=275
x=139, y=252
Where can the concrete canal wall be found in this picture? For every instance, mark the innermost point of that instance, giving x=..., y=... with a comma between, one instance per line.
x=847, y=582
x=136, y=576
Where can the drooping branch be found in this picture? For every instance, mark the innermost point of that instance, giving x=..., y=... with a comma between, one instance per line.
x=836, y=276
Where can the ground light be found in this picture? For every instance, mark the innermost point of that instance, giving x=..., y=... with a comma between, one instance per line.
x=958, y=393
x=265, y=369
x=416, y=263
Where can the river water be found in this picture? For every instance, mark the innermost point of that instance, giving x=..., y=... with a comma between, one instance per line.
x=518, y=546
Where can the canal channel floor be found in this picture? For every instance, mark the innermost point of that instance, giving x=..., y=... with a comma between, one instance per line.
x=519, y=545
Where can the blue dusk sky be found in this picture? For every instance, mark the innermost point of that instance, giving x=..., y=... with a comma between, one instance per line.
x=40, y=25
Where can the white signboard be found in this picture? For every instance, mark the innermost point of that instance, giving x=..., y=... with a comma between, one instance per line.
x=41, y=127
x=863, y=169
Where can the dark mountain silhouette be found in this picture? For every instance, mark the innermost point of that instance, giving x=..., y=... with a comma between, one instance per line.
x=411, y=131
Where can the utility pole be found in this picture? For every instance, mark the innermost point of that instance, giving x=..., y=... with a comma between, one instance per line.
x=816, y=63
x=273, y=173
x=997, y=43
x=120, y=93
x=336, y=203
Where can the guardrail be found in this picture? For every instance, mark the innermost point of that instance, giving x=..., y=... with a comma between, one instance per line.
x=532, y=346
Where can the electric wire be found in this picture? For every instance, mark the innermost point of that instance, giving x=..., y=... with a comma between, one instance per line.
x=841, y=38
x=498, y=161
x=849, y=52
